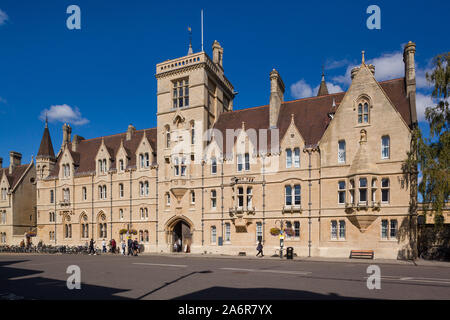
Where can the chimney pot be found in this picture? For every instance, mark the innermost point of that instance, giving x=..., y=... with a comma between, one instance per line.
x=276, y=97
x=14, y=160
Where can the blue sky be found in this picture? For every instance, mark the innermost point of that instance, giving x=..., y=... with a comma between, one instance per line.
x=103, y=74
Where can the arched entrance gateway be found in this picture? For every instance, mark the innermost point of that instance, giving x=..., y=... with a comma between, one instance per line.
x=179, y=235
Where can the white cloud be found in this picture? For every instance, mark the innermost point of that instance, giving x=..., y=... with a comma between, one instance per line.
x=301, y=89
x=3, y=17
x=332, y=88
x=63, y=113
x=388, y=66
x=422, y=102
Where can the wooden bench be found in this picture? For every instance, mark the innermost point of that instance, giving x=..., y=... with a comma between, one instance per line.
x=361, y=254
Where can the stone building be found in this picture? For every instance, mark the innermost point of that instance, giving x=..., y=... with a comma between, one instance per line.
x=325, y=170
x=17, y=201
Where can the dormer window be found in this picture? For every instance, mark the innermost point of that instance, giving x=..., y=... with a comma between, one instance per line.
x=180, y=93
x=66, y=170
x=145, y=160
x=102, y=166
x=121, y=165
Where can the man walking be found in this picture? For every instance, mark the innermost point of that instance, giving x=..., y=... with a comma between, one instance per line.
x=130, y=246
x=91, y=247
x=260, y=249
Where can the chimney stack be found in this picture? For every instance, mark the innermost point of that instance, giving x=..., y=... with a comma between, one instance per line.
x=276, y=97
x=410, y=77
x=67, y=131
x=130, y=131
x=217, y=54
x=14, y=160
x=75, y=142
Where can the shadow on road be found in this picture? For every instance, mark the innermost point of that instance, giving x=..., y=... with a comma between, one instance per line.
x=224, y=293
x=37, y=287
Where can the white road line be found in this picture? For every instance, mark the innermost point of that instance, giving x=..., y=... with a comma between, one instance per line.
x=269, y=271
x=430, y=280
x=162, y=265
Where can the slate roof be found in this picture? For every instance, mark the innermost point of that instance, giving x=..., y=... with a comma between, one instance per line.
x=310, y=114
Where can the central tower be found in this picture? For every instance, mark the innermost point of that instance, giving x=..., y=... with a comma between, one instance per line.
x=192, y=92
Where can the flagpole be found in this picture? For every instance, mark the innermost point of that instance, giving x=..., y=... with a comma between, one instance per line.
x=202, y=29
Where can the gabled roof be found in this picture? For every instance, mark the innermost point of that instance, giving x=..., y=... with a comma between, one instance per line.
x=17, y=173
x=87, y=150
x=311, y=115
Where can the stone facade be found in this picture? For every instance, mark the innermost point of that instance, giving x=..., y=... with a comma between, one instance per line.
x=326, y=170
x=17, y=201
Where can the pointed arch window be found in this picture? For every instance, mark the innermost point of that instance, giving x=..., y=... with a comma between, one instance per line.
x=363, y=111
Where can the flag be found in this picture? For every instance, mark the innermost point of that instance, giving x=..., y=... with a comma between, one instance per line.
x=189, y=29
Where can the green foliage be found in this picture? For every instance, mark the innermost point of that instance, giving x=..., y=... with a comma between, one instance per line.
x=432, y=155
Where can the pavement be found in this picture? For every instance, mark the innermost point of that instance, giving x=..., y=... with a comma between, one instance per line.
x=206, y=277
x=416, y=262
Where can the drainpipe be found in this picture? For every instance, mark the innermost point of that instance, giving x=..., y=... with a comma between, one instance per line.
x=203, y=196
x=54, y=200
x=131, y=194
x=264, y=199
x=221, y=190
x=92, y=206
x=111, y=201
x=309, y=150
x=157, y=206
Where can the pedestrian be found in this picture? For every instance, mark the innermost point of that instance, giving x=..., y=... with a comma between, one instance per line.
x=136, y=247
x=103, y=246
x=130, y=246
x=113, y=246
x=91, y=247
x=260, y=249
x=175, y=247
x=124, y=246
x=179, y=247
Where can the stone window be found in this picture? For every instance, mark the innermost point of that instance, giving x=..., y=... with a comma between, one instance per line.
x=213, y=199
x=385, y=147
x=338, y=234
x=143, y=187
x=66, y=195
x=389, y=233
x=227, y=232
x=102, y=192
x=292, y=195
x=259, y=231
x=121, y=191
x=213, y=234
x=121, y=165
x=5, y=192
x=84, y=193
x=213, y=165
x=144, y=160
x=341, y=192
x=288, y=158
x=297, y=157
x=341, y=151
x=120, y=214
x=3, y=217
x=374, y=190
x=167, y=199
x=385, y=190
x=363, y=111
x=146, y=236
x=180, y=93
x=363, y=190
x=52, y=196
x=192, y=197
